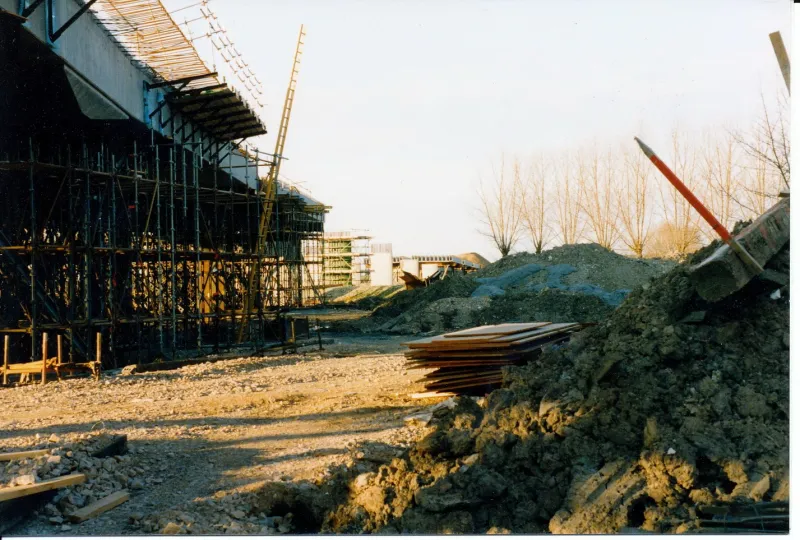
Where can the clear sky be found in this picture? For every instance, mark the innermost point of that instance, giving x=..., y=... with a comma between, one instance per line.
x=399, y=105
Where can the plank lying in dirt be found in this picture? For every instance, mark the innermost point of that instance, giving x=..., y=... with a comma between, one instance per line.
x=25, y=454
x=6, y=494
x=98, y=507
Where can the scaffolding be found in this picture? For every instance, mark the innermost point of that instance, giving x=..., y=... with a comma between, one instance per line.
x=346, y=259
x=149, y=245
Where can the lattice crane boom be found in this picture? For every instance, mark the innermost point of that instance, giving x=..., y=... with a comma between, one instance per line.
x=271, y=184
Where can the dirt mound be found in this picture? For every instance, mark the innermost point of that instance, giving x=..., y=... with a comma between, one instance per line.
x=593, y=264
x=361, y=296
x=636, y=422
x=583, y=282
x=476, y=258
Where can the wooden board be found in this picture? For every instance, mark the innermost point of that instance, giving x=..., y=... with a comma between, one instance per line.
x=98, y=507
x=21, y=491
x=25, y=454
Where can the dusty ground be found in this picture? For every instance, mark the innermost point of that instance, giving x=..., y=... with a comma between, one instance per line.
x=226, y=426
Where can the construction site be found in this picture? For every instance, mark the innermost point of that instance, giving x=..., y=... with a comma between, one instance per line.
x=188, y=348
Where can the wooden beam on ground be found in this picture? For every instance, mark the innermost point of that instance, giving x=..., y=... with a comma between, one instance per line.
x=5, y=359
x=25, y=454
x=98, y=507
x=6, y=494
x=723, y=273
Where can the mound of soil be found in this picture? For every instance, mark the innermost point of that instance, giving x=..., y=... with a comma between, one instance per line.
x=635, y=423
x=361, y=296
x=582, y=282
x=476, y=258
x=594, y=265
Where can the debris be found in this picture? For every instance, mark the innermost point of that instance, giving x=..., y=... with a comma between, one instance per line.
x=560, y=448
x=775, y=295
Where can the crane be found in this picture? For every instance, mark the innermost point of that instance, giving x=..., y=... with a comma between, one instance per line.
x=271, y=186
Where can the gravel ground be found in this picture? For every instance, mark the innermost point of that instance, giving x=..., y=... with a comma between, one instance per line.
x=219, y=430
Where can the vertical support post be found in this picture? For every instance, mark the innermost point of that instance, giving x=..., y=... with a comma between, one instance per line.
x=159, y=275
x=87, y=251
x=112, y=263
x=231, y=249
x=71, y=265
x=34, y=246
x=44, y=357
x=218, y=242
x=199, y=292
x=98, y=354
x=137, y=237
x=5, y=359
x=173, y=265
x=247, y=306
x=59, y=349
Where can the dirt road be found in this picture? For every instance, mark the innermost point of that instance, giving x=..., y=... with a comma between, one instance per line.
x=225, y=427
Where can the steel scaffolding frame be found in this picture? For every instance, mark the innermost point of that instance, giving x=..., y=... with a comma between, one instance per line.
x=149, y=245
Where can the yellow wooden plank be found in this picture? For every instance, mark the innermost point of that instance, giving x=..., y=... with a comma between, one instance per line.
x=98, y=507
x=7, y=494
x=25, y=454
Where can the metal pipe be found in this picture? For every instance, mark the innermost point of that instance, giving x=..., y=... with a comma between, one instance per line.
x=701, y=209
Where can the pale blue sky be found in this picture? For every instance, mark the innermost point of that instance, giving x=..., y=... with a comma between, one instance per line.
x=400, y=104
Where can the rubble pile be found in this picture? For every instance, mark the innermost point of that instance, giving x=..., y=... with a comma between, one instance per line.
x=75, y=453
x=670, y=403
x=581, y=282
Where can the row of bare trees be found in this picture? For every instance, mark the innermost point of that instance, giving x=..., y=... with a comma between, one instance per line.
x=616, y=197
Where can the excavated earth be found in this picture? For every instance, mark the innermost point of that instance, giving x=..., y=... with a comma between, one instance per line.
x=668, y=404
x=581, y=282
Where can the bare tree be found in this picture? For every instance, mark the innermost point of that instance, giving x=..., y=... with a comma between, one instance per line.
x=597, y=184
x=568, y=205
x=682, y=219
x=762, y=182
x=770, y=139
x=667, y=242
x=500, y=210
x=723, y=181
x=533, y=202
x=633, y=200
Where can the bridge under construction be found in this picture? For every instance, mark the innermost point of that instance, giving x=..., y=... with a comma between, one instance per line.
x=134, y=222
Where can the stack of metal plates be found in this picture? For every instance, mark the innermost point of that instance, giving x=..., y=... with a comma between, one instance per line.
x=471, y=361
